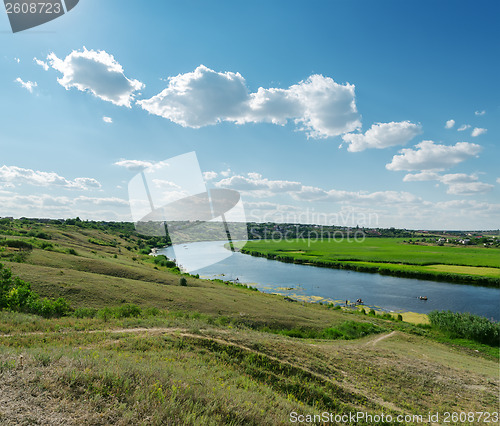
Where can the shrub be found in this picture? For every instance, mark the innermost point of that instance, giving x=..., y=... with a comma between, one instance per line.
x=127, y=311
x=85, y=312
x=19, y=244
x=72, y=251
x=372, y=312
x=400, y=317
x=16, y=295
x=467, y=326
x=183, y=282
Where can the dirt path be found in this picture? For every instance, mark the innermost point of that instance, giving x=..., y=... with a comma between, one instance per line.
x=380, y=338
x=182, y=332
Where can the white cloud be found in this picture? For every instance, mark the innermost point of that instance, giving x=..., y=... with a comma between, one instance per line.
x=258, y=185
x=17, y=60
x=134, y=164
x=97, y=72
x=463, y=127
x=458, y=183
x=498, y=180
x=421, y=177
x=468, y=188
x=431, y=156
x=59, y=207
x=28, y=85
x=165, y=185
x=209, y=175
x=449, y=124
x=107, y=119
x=382, y=135
x=309, y=193
x=480, y=112
x=478, y=131
x=43, y=64
x=319, y=106
x=16, y=175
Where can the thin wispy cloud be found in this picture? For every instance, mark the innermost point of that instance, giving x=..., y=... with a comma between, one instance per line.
x=41, y=63
x=28, y=85
x=16, y=176
x=457, y=183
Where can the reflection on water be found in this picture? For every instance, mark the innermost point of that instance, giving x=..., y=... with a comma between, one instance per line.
x=310, y=283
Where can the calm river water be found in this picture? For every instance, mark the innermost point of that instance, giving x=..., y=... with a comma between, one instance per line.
x=311, y=283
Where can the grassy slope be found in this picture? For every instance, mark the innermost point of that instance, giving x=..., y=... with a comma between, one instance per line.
x=196, y=369
x=391, y=254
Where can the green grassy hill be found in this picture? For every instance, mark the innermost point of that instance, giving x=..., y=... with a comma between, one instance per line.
x=208, y=352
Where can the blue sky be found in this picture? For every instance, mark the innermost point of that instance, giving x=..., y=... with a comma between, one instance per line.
x=265, y=93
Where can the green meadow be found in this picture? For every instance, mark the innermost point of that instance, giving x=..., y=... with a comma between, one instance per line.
x=393, y=256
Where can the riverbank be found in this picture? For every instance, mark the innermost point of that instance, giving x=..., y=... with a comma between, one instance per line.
x=473, y=266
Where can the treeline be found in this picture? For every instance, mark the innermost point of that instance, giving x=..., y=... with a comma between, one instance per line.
x=383, y=270
x=466, y=326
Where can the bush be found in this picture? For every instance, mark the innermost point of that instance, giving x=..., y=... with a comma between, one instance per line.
x=85, y=312
x=347, y=330
x=16, y=295
x=183, y=282
x=400, y=317
x=19, y=244
x=127, y=311
x=466, y=326
x=124, y=311
x=72, y=251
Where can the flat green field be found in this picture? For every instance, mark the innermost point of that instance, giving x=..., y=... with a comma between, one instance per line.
x=388, y=255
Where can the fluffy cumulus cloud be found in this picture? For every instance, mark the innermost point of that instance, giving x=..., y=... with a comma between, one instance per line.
x=28, y=85
x=319, y=106
x=108, y=120
x=382, y=135
x=480, y=112
x=449, y=124
x=97, y=72
x=458, y=183
x=498, y=180
x=477, y=131
x=13, y=175
x=428, y=155
x=463, y=127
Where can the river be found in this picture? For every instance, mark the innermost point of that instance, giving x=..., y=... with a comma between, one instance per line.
x=315, y=284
